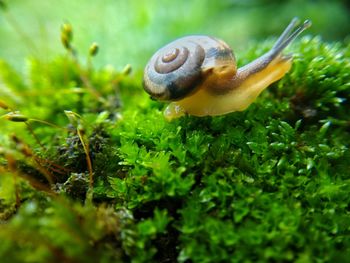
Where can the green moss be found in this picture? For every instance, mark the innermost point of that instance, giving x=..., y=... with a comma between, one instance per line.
x=60, y=231
x=267, y=184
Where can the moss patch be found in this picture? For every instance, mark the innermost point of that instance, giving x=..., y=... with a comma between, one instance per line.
x=267, y=184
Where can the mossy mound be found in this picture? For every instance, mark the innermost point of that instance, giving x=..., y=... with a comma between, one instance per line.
x=270, y=184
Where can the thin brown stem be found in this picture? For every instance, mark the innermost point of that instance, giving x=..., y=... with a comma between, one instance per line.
x=34, y=136
x=87, y=154
x=85, y=79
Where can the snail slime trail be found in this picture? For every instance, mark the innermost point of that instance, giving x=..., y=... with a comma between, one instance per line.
x=198, y=74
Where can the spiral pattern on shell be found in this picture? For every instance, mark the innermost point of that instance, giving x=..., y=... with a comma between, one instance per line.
x=174, y=70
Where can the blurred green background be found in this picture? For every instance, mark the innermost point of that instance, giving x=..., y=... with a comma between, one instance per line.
x=131, y=31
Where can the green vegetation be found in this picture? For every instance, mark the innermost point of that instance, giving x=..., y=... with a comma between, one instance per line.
x=90, y=171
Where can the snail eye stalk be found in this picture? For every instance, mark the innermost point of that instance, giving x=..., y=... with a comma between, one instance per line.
x=288, y=36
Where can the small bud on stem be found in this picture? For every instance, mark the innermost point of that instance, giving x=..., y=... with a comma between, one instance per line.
x=127, y=69
x=66, y=35
x=3, y=105
x=15, y=117
x=93, y=50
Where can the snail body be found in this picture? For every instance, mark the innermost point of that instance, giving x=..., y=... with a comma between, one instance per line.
x=198, y=74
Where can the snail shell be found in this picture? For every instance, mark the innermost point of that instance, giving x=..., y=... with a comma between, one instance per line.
x=177, y=69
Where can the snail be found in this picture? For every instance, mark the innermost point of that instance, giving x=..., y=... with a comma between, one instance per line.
x=199, y=76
